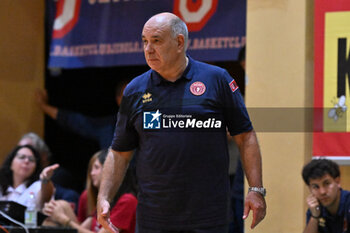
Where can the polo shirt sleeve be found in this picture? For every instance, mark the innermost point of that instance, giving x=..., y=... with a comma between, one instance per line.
x=125, y=135
x=235, y=112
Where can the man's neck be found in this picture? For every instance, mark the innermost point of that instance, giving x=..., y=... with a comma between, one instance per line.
x=177, y=72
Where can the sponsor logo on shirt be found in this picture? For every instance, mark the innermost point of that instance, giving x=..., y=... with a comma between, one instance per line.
x=157, y=120
x=147, y=98
x=151, y=120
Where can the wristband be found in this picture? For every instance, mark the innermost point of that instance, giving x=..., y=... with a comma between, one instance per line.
x=316, y=217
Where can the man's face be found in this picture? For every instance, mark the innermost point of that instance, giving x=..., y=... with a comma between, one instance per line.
x=160, y=47
x=326, y=189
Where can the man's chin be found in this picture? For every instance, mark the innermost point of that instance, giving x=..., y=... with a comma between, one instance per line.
x=153, y=66
x=326, y=203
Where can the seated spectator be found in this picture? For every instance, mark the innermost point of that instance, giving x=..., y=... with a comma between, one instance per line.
x=123, y=214
x=60, y=192
x=35, y=141
x=20, y=176
x=329, y=204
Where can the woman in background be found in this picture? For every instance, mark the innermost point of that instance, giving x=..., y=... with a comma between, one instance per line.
x=20, y=177
x=123, y=214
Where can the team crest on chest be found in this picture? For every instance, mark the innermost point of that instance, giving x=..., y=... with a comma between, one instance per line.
x=197, y=88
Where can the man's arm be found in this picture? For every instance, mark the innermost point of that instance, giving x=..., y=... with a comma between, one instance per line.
x=251, y=159
x=42, y=99
x=113, y=173
x=100, y=129
x=314, y=207
x=312, y=226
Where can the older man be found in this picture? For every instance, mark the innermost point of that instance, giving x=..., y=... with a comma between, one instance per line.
x=176, y=114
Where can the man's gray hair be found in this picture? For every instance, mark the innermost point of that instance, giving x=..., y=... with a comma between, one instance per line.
x=179, y=27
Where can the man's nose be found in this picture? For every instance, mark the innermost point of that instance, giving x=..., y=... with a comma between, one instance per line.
x=149, y=48
x=322, y=190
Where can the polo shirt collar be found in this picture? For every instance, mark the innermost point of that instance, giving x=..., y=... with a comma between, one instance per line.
x=157, y=79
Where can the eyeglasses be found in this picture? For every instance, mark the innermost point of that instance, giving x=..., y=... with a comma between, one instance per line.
x=24, y=157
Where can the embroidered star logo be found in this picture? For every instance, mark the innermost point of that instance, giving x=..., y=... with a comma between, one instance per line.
x=156, y=115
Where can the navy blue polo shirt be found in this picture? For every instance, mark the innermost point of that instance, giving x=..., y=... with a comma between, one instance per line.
x=180, y=130
x=338, y=223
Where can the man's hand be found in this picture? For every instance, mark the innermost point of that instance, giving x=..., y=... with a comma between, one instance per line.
x=41, y=97
x=103, y=216
x=42, y=100
x=255, y=202
x=314, y=205
x=56, y=212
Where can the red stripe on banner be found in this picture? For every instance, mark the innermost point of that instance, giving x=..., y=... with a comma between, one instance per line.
x=325, y=144
x=331, y=144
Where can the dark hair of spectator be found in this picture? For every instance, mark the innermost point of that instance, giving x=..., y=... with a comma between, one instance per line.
x=318, y=168
x=6, y=173
x=102, y=156
x=241, y=54
x=129, y=185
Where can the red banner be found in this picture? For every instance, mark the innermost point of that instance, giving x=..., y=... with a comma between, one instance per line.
x=331, y=137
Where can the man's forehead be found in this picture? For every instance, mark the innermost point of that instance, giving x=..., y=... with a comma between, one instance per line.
x=321, y=179
x=154, y=31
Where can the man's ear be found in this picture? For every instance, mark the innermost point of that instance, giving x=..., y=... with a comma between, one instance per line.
x=337, y=180
x=180, y=42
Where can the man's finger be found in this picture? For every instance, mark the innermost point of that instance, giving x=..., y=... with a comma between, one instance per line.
x=246, y=211
x=254, y=221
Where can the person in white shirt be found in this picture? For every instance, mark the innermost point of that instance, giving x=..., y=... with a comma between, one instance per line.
x=20, y=176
